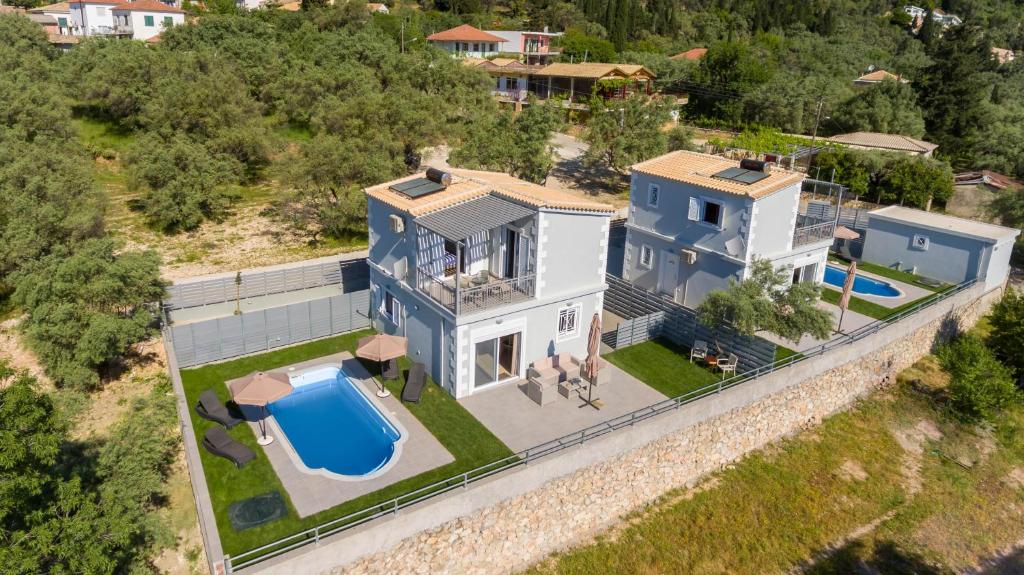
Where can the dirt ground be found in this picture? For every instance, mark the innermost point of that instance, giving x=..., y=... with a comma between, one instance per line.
x=970, y=202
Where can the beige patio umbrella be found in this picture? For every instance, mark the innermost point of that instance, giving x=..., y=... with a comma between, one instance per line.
x=845, y=233
x=593, y=362
x=381, y=348
x=260, y=388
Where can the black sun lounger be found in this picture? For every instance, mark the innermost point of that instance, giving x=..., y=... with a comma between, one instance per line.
x=218, y=442
x=390, y=370
x=414, y=383
x=210, y=407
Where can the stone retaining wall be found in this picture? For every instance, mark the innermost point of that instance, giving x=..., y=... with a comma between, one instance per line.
x=518, y=519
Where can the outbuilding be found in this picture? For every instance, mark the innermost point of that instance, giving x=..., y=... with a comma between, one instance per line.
x=938, y=246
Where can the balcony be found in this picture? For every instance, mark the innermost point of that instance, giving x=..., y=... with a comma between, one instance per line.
x=511, y=95
x=477, y=255
x=811, y=230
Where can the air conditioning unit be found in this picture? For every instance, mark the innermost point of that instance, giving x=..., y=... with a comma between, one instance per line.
x=688, y=256
x=396, y=223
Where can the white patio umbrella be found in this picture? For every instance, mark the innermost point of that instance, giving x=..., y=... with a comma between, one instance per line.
x=260, y=388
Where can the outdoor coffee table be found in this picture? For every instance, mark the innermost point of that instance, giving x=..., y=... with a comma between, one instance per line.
x=569, y=386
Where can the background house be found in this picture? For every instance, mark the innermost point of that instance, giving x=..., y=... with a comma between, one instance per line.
x=532, y=47
x=877, y=77
x=885, y=142
x=484, y=274
x=696, y=221
x=511, y=77
x=577, y=82
x=61, y=14
x=939, y=246
x=145, y=19
x=466, y=40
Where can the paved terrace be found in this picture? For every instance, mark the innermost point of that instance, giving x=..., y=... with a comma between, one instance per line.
x=313, y=493
x=520, y=423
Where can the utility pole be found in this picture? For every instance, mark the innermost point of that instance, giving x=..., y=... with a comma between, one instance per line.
x=814, y=136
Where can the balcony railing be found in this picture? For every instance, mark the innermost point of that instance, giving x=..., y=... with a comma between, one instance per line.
x=513, y=95
x=474, y=298
x=814, y=234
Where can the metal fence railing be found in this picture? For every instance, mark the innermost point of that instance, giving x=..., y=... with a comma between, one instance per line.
x=813, y=234
x=463, y=480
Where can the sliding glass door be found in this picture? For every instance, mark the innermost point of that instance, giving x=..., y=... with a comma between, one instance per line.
x=496, y=360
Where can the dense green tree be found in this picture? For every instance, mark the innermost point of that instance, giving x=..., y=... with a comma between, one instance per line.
x=889, y=107
x=726, y=72
x=181, y=181
x=514, y=144
x=1007, y=336
x=623, y=132
x=577, y=46
x=980, y=386
x=80, y=511
x=954, y=94
x=86, y=307
x=767, y=302
x=915, y=181
x=112, y=79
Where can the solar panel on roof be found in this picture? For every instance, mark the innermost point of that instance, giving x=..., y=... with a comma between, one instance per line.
x=417, y=187
x=745, y=177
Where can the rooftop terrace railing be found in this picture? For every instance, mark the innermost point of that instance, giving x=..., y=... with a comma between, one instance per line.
x=463, y=480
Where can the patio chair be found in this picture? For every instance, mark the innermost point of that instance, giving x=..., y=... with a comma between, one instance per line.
x=390, y=370
x=545, y=374
x=211, y=408
x=699, y=350
x=218, y=442
x=414, y=383
x=728, y=364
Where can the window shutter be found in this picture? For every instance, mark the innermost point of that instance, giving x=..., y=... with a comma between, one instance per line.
x=694, y=214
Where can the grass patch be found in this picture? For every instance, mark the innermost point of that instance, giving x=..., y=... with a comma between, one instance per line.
x=102, y=137
x=905, y=277
x=662, y=365
x=783, y=352
x=871, y=309
x=462, y=435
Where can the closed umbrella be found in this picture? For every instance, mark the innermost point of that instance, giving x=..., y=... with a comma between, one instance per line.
x=260, y=388
x=593, y=361
x=844, y=300
x=381, y=348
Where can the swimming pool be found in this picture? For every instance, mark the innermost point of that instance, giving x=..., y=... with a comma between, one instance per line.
x=861, y=284
x=333, y=427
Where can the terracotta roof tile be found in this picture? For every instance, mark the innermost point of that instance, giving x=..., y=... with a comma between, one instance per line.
x=58, y=7
x=884, y=141
x=471, y=184
x=592, y=70
x=691, y=54
x=148, y=6
x=464, y=33
x=698, y=169
x=880, y=76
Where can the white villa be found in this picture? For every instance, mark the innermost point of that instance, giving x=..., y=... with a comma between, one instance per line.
x=696, y=221
x=139, y=20
x=485, y=274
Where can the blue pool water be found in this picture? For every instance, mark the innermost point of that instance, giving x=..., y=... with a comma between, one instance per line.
x=861, y=284
x=333, y=426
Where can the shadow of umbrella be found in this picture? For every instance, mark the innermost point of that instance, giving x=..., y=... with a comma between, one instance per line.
x=258, y=389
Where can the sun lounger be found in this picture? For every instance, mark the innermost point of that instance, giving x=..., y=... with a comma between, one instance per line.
x=210, y=407
x=414, y=383
x=218, y=442
x=390, y=370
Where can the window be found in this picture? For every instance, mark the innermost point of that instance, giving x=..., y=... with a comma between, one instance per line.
x=712, y=214
x=62, y=22
x=101, y=10
x=492, y=48
x=653, y=193
x=168, y=21
x=148, y=21
x=920, y=242
x=476, y=47
x=646, y=256
x=391, y=308
x=569, y=322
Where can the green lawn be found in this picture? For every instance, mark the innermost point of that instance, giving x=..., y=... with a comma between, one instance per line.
x=462, y=435
x=872, y=309
x=890, y=273
x=782, y=352
x=662, y=365
x=102, y=136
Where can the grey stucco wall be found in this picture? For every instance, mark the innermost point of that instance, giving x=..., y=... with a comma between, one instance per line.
x=387, y=247
x=949, y=257
x=772, y=223
x=572, y=251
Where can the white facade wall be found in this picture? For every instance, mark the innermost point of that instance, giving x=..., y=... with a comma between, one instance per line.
x=470, y=49
x=144, y=25
x=92, y=19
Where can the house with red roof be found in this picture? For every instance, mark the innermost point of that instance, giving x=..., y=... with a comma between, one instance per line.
x=465, y=40
x=139, y=20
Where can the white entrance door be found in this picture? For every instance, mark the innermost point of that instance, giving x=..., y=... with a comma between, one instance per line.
x=668, y=273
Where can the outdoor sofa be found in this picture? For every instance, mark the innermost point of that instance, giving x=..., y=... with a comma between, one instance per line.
x=218, y=442
x=210, y=407
x=544, y=375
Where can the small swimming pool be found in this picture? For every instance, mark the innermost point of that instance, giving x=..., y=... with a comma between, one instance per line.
x=861, y=284
x=332, y=426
